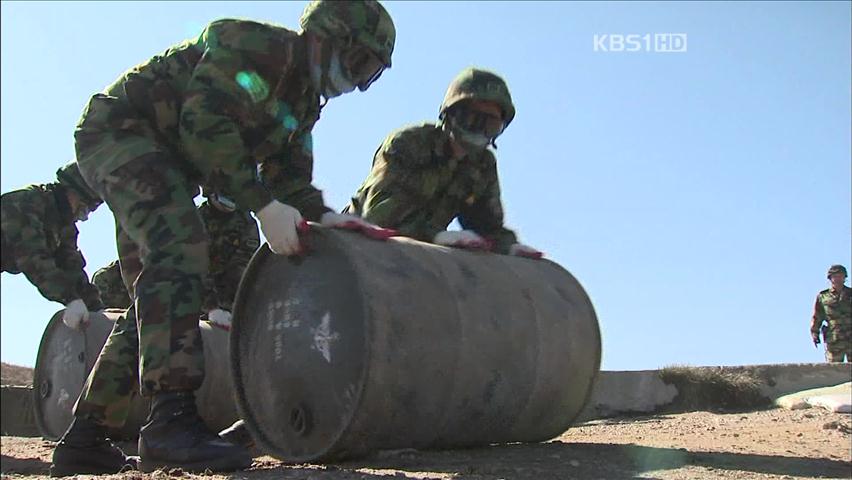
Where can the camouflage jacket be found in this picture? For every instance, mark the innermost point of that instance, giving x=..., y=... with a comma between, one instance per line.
x=111, y=286
x=234, y=238
x=835, y=310
x=418, y=189
x=40, y=240
x=235, y=106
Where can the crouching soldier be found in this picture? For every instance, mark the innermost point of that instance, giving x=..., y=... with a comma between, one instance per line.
x=213, y=111
x=426, y=175
x=39, y=239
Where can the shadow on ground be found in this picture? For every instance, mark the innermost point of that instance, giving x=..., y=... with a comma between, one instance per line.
x=23, y=466
x=586, y=460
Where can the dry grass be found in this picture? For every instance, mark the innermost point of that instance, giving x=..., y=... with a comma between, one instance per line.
x=16, y=375
x=708, y=388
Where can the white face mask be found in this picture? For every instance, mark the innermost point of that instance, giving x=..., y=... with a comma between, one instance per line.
x=334, y=83
x=469, y=139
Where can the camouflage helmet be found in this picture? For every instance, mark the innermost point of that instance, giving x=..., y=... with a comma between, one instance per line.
x=478, y=84
x=363, y=22
x=69, y=176
x=836, y=269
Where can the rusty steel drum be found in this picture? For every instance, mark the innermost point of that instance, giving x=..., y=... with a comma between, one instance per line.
x=66, y=357
x=364, y=345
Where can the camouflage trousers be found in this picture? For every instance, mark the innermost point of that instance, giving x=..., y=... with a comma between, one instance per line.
x=835, y=351
x=162, y=247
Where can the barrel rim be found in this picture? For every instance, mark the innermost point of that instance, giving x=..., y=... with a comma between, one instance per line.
x=598, y=350
x=38, y=411
x=243, y=411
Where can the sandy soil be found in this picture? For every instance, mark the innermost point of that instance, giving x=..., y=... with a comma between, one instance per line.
x=767, y=444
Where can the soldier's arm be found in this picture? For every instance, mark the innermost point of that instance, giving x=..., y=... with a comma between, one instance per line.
x=484, y=215
x=818, y=317
x=37, y=261
x=392, y=196
x=289, y=175
x=70, y=260
x=222, y=95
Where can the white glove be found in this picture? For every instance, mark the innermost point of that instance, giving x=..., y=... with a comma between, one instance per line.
x=463, y=239
x=76, y=314
x=352, y=222
x=521, y=250
x=279, y=223
x=220, y=318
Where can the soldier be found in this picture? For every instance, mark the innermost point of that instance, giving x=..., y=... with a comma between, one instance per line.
x=39, y=238
x=235, y=105
x=426, y=175
x=233, y=239
x=833, y=316
x=111, y=286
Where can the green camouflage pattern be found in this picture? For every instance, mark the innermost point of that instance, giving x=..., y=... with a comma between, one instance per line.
x=161, y=234
x=360, y=22
x=416, y=187
x=227, y=105
x=69, y=176
x=233, y=239
x=111, y=286
x=834, y=309
x=479, y=84
x=39, y=239
x=108, y=392
x=232, y=109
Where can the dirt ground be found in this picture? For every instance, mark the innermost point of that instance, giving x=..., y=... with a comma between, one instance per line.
x=766, y=444
x=15, y=374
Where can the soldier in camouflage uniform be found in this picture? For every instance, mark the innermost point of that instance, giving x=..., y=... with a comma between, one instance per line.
x=426, y=175
x=833, y=316
x=39, y=238
x=233, y=239
x=233, y=110
x=111, y=286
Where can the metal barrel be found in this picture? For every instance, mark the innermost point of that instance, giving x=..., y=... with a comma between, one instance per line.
x=364, y=345
x=17, y=411
x=66, y=356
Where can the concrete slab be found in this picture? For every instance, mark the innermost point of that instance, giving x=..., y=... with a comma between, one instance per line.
x=643, y=391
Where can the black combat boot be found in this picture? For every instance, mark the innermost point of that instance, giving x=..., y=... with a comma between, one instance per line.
x=84, y=449
x=176, y=437
x=238, y=434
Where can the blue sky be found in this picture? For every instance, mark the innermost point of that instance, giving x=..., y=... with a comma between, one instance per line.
x=699, y=197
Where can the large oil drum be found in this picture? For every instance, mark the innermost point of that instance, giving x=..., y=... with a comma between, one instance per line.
x=364, y=345
x=66, y=356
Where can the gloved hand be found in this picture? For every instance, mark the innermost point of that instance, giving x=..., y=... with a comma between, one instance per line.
x=279, y=223
x=521, y=250
x=76, y=314
x=220, y=318
x=352, y=222
x=815, y=337
x=462, y=239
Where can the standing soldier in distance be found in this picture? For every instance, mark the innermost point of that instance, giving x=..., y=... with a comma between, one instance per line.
x=220, y=110
x=39, y=239
x=833, y=316
x=426, y=175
